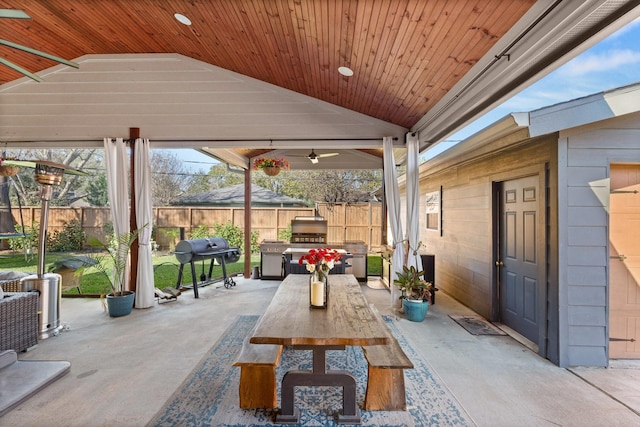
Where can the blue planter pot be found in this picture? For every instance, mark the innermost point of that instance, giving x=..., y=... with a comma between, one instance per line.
x=415, y=311
x=120, y=305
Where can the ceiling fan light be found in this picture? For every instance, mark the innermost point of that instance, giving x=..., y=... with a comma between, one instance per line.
x=314, y=160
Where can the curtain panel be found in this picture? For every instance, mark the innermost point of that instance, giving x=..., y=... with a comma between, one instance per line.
x=115, y=155
x=145, y=288
x=392, y=195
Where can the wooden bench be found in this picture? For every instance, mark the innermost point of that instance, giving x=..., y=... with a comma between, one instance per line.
x=385, y=383
x=258, y=364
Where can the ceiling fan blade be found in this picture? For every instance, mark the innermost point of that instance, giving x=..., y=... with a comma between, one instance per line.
x=13, y=14
x=32, y=164
x=39, y=53
x=328, y=154
x=20, y=70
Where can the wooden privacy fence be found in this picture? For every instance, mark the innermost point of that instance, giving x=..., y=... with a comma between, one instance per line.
x=359, y=221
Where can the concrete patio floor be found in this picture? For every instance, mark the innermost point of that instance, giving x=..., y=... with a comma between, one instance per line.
x=124, y=369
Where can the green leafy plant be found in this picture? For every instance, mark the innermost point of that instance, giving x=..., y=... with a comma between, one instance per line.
x=172, y=234
x=285, y=234
x=200, y=232
x=28, y=241
x=235, y=236
x=113, y=264
x=70, y=238
x=413, y=286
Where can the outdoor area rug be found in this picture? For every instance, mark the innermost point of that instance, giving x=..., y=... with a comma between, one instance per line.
x=477, y=325
x=209, y=396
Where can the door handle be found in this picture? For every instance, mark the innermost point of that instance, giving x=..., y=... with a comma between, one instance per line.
x=499, y=263
x=620, y=257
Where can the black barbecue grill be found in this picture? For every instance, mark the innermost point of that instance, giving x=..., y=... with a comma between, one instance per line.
x=215, y=249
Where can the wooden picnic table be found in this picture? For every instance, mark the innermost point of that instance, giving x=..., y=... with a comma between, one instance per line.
x=347, y=320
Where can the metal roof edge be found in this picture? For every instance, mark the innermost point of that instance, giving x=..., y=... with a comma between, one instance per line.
x=588, y=109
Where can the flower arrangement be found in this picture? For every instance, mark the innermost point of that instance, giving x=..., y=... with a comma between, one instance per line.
x=267, y=162
x=320, y=260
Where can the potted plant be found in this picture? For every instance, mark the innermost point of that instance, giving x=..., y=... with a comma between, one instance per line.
x=71, y=269
x=120, y=301
x=416, y=293
x=270, y=166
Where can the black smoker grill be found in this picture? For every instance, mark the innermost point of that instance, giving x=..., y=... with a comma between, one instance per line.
x=213, y=248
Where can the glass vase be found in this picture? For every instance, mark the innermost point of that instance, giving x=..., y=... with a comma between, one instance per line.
x=318, y=290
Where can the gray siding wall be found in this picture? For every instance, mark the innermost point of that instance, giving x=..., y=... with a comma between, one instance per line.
x=584, y=156
x=464, y=252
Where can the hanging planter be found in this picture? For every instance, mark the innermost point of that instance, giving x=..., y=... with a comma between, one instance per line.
x=269, y=166
x=7, y=170
x=271, y=170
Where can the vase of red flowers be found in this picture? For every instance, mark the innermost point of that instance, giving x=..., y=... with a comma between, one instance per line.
x=270, y=166
x=319, y=262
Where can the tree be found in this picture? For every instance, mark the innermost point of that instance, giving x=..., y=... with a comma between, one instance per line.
x=97, y=191
x=169, y=176
x=219, y=176
x=29, y=190
x=324, y=185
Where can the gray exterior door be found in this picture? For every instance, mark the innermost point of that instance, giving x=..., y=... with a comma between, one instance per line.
x=520, y=254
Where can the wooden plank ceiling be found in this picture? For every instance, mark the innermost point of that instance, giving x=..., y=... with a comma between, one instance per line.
x=405, y=54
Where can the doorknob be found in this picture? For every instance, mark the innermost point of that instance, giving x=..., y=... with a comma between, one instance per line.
x=499, y=263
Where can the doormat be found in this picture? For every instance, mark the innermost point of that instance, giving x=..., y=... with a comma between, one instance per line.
x=477, y=325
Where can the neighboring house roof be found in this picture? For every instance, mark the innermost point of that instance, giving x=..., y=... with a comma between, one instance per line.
x=234, y=196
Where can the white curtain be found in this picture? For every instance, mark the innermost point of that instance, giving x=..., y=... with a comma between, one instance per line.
x=144, y=215
x=115, y=155
x=413, y=202
x=393, y=208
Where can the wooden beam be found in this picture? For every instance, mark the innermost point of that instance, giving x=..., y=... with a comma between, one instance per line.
x=247, y=223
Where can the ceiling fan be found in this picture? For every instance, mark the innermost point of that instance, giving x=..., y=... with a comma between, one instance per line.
x=19, y=14
x=314, y=158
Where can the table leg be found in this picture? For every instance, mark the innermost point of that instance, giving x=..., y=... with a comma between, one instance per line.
x=319, y=376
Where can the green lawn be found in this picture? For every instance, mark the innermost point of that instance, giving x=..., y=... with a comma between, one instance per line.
x=165, y=270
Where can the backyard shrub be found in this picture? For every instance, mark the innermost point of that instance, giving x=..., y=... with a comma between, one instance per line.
x=232, y=233
x=29, y=241
x=70, y=238
x=285, y=234
x=200, y=232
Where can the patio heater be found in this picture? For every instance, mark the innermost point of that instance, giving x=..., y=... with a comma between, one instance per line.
x=47, y=174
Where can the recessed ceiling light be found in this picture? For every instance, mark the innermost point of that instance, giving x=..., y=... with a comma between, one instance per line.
x=182, y=19
x=345, y=71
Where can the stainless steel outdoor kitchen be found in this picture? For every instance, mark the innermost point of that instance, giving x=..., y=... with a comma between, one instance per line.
x=279, y=258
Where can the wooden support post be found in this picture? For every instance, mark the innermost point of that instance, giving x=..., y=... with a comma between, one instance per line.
x=134, y=133
x=247, y=223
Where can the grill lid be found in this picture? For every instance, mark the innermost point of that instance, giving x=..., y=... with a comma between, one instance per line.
x=187, y=249
x=309, y=225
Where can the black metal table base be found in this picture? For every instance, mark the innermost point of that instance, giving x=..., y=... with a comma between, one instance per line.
x=319, y=376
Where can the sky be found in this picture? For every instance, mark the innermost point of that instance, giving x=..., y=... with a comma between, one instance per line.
x=613, y=62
